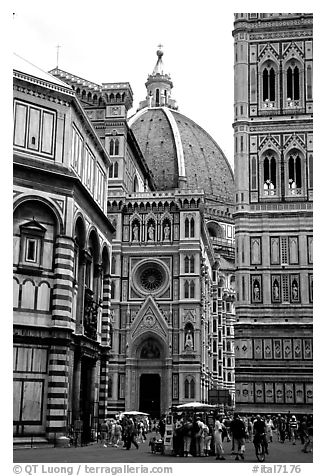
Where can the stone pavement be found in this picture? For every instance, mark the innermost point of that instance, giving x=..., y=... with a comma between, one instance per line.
x=95, y=453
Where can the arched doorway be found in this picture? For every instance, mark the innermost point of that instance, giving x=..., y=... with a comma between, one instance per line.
x=150, y=394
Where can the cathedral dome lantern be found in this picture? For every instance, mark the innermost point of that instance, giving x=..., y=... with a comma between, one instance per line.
x=159, y=86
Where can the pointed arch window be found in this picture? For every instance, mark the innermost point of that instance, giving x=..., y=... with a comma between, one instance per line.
x=294, y=174
x=186, y=264
x=116, y=169
x=192, y=389
x=187, y=388
x=186, y=289
x=192, y=227
x=269, y=84
x=157, y=97
x=269, y=175
x=114, y=146
x=293, y=83
x=192, y=289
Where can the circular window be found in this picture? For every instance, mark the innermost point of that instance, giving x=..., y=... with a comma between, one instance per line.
x=150, y=277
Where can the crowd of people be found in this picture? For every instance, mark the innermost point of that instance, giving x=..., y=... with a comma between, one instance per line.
x=200, y=436
x=203, y=435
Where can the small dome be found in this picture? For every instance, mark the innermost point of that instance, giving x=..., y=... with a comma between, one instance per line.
x=178, y=151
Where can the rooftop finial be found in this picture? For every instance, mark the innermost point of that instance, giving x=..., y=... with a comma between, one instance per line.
x=57, y=47
x=159, y=51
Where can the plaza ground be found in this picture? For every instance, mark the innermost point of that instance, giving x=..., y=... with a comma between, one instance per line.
x=97, y=454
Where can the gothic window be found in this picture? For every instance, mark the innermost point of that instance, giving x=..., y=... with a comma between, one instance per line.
x=229, y=377
x=294, y=174
x=186, y=388
x=111, y=171
x=192, y=389
x=228, y=346
x=186, y=289
x=269, y=175
x=192, y=264
x=269, y=84
x=114, y=146
x=292, y=83
x=116, y=169
x=192, y=289
x=111, y=147
x=189, y=227
x=192, y=227
x=186, y=264
x=229, y=362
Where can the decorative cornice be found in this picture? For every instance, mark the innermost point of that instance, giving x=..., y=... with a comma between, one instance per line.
x=280, y=34
x=43, y=83
x=46, y=97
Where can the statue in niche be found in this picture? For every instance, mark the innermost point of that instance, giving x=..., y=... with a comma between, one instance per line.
x=166, y=232
x=151, y=232
x=189, y=340
x=135, y=232
x=276, y=294
x=295, y=291
x=256, y=291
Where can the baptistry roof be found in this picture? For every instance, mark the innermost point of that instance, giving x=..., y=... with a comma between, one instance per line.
x=179, y=152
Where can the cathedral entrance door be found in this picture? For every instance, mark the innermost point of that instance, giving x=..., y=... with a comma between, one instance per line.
x=150, y=394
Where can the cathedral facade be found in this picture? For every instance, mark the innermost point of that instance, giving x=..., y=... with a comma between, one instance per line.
x=124, y=282
x=273, y=213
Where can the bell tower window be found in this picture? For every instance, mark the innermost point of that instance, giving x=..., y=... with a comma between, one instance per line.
x=292, y=83
x=269, y=166
x=269, y=84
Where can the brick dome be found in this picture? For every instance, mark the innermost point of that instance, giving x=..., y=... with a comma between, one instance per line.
x=181, y=154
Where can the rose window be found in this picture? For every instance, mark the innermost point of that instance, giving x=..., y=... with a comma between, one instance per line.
x=151, y=279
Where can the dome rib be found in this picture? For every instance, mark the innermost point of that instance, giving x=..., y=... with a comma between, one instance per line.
x=178, y=144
